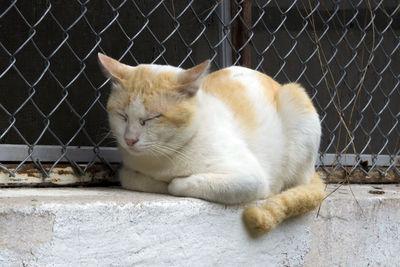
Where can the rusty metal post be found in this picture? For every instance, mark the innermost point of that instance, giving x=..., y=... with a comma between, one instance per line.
x=242, y=34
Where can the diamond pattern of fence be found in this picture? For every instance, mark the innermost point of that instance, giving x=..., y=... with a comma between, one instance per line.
x=53, y=94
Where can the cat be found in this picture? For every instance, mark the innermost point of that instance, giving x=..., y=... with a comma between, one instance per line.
x=231, y=136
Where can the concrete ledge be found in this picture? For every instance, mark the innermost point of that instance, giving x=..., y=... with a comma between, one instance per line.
x=111, y=226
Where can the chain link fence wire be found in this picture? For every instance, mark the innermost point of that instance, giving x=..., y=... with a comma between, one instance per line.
x=52, y=93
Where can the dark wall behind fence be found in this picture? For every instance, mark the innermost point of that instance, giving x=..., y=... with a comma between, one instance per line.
x=52, y=91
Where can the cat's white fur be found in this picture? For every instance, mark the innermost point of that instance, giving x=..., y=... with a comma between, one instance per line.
x=219, y=159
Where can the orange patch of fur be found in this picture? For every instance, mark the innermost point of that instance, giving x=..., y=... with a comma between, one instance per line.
x=118, y=99
x=142, y=80
x=292, y=202
x=233, y=94
x=271, y=88
x=299, y=96
x=180, y=114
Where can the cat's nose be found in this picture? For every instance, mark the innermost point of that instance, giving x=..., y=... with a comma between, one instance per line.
x=131, y=141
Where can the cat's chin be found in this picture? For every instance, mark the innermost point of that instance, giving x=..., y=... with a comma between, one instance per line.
x=134, y=151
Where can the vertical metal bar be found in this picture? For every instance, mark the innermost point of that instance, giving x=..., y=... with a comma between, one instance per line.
x=224, y=49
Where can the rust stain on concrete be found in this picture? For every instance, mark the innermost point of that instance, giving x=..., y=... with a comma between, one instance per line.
x=63, y=174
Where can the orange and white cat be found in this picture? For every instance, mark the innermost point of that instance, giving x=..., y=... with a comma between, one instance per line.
x=231, y=136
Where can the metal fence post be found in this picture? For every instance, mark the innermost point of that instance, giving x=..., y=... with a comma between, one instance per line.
x=224, y=34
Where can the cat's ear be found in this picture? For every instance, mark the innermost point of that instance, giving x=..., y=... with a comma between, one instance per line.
x=190, y=80
x=112, y=67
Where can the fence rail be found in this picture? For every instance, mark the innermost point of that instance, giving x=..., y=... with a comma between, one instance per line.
x=53, y=95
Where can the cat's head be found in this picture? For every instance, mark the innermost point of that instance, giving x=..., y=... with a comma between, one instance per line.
x=152, y=108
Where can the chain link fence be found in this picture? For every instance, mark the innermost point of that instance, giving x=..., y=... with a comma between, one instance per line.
x=53, y=121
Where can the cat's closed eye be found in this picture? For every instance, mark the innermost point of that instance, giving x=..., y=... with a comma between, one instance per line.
x=123, y=116
x=143, y=121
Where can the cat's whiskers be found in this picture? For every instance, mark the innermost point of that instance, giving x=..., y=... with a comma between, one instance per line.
x=153, y=148
x=153, y=152
x=166, y=149
x=164, y=152
x=178, y=153
x=157, y=150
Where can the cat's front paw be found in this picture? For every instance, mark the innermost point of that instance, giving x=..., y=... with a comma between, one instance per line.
x=185, y=187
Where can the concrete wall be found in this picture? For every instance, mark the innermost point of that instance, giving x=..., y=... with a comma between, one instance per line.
x=114, y=227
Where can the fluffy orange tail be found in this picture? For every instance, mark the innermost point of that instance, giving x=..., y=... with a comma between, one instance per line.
x=292, y=202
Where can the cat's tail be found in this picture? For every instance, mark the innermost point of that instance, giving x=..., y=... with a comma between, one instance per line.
x=292, y=202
